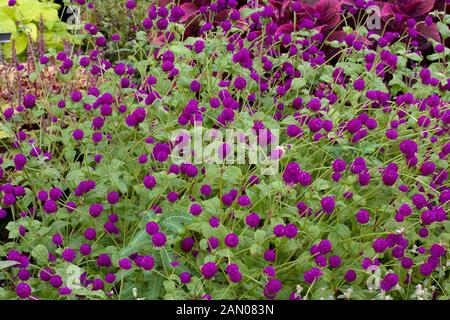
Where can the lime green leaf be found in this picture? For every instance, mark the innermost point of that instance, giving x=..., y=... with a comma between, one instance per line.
x=29, y=10
x=32, y=30
x=7, y=24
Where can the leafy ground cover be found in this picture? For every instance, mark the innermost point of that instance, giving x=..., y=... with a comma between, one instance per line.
x=95, y=202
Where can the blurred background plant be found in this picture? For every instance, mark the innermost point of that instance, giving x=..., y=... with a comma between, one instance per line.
x=33, y=21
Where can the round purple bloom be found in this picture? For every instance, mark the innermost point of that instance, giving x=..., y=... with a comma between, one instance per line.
x=334, y=261
x=159, y=239
x=185, y=277
x=312, y=275
x=151, y=228
x=290, y=231
x=103, y=260
x=29, y=101
x=69, y=254
x=195, y=209
x=78, y=134
x=380, y=245
x=359, y=85
x=23, y=290
x=231, y=240
x=324, y=246
x=327, y=204
x=362, y=216
x=208, y=270
x=125, y=264
x=350, y=275
x=252, y=220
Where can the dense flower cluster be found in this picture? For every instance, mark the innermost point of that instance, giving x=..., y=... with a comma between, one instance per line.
x=93, y=203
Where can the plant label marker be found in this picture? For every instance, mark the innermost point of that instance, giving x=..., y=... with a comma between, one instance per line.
x=5, y=37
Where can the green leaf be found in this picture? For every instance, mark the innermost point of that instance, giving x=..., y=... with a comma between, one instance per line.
x=154, y=286
x=434, y=56
x=169, y=286
x=298, y=83
x=75, y=177
x=7, y=264
x=175, y=223
x=7, y=24
x=4, y=135
x=50, y=17
x=321, y=185
x=232, y=174
x=260, y=235
x=40, y=253
x=443, y=30
x=414, y=57
x=211, y=206
x=32, y=30
x=140, y=240
x=29, y=10
x=341, y=231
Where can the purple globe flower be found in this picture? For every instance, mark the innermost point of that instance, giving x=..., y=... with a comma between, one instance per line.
x=324, y=246
x=209, y=270
x=125, y=264
x=69, y=254
x=29, y=101
x=149, y=182
x=23, y=290
x=159, y=240
x=253, y=220
x=350, y=275
x=185, y=277
x=327, y=204
x=231, y=240
x=389, y=177
x=78, y=134
x=359, y=85
x=334, y=262
x=195, y=209
x=103, y=260
x=362, y=216
x=290, y=231
x=312, y=275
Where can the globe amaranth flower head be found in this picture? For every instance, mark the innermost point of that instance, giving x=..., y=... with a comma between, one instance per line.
x=233, y=272
x=324, y=246
x=253, y=220
x=209, y=270
x=125, y=264
x=231, y=240
x=185, y=277
x=195, y=209
x=29, y=101
x=23, y=290
x=104, y=260
x=159, y=239
x=244, y=58
x=272, y=287
x=389, y=282
x=362, y=216
x=145, y=262
x=270, y=255
x=312, y=275
x=69, y=254
x=328, y=204
x=350, y=275
x=151, y=227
